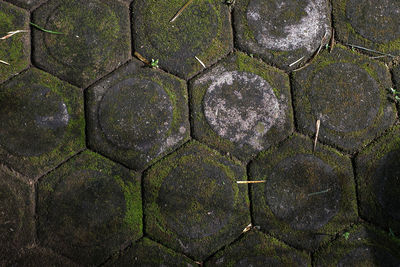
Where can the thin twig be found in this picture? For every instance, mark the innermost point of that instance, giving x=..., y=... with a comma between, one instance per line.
x=141, y=58
x=9, y=34
x=318, y=193
x=250, y=182
x=201, y=62
x=180, y=10
x=317, y=124
x=332, y=42
x=370, y=50
x=297, y=61
x=1, y=61
x=42, y=29
x=381, y=56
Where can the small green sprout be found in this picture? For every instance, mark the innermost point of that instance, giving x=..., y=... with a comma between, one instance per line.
x=346, y=235
x=154, y=63
x=395, y=94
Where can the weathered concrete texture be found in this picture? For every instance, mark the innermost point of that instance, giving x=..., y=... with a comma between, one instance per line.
x=281, y=32
x=150, y=253
x=371, y=24
x=258, y=250
x=307, y=196
x=95, y=39
x=378, y=181
x=41, y=257
x=27, y=4
x=41, y=122
x=349, y=94
x=137, y=115
x=193, y=203
x=16, y=49
x=241, y=106
x=202, y=29
x=16, y=216
x=364, y=246
x=89, y=208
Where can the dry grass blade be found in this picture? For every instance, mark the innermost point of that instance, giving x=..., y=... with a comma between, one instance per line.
x=180, y=10
x=370, y=50
x=250, y=182
x=317, y=125
x=43, y=29
x=9, y=34
x=141, y=58
x=332, y=42
x=201, y=62
x=3, y=62
x=247, y=228
x=320, y=192
x=297, y=61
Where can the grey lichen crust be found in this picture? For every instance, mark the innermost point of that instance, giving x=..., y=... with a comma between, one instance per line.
x=280, y=31
x=241, y=106
x=137, y=115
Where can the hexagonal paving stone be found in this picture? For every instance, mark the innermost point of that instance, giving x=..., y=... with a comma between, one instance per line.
x=193, y=203
x=258, y=250
x=202, y=30
x=362, y=246
x=371, y=24
x=349, y=94
x=137, y=115
x=241, y=106
x=378, y=180
x=89, y=208
x=281, y=31
x=42, y=257
x=150, y=253
x=16, y=49
x=16, y=215
x=95, y=39
x=307, y=196
x=41, y=122
x=27, y=4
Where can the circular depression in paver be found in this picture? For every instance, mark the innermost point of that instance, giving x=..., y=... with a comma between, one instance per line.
x=365, y=255
x=32, y=120
x=291, y=192
x=344, y=97
x=288, y=25
x=189, y=35
x=89, y=29
x=135, y=112
x=387, y=183
x=197, y=200
x=378, y=21
x=10, y=214
x=241, y=107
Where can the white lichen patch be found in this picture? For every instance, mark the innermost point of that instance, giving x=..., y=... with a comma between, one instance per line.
x=273, y=31
x=242, y=107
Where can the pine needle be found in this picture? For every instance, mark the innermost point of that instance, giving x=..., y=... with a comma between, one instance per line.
x=9, y=34
x=180, y=10
x=1, y=61
x=250, y=182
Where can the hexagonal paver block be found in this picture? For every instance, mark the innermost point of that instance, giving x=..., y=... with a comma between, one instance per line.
x=150, y=253
x=42, y=257
x=16, y=215
x=95, y=39
x=16, y=49
x=370, y=24
x=307, y=197
x=378, y=180
x=241, y=106
x=41, y=122
x=193, y=203
x=349, y=94
x=27, y=4
x=137, y=115
x=282, y=32
x=257, y=249
x=89, y=208
x=202, y=30
x=362, y=246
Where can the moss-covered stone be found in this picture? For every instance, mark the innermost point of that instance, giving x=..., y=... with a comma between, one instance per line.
x=137, y=115
x=95, y=39
x=16, y=216
x=193, y=203
x=282, y=32
x=307, y=196
x=241, y=106
x=202, y=29
x=361, y=246
x=41, y=257
x=378, y=181
x=41, y=122
x=27, y=4
x=349, y=94
x=258, y=250
x=370, y=24
x=89, y=208
x=150, y=253
x=16, y=49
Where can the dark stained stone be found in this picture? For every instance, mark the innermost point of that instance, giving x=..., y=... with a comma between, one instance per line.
x=281, y=32
x=41, y=257
x=89, y=208
x=16, y=49
x=307, y=196
x=349, y=94
x=202, y=30
x=378, y=178
x=241, y=106
x=258, y=250
x=27, y=4
x=137, y=115
x=193, y=203
x=41, y=122
x=148, y=253
x=95, y=39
